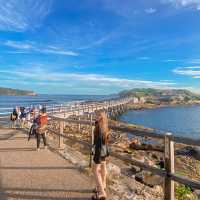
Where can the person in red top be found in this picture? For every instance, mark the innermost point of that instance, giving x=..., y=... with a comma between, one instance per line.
x=42, y=121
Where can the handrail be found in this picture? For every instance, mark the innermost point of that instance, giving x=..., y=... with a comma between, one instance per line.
x=83, y=106
x=136, y=131
x=168, y=172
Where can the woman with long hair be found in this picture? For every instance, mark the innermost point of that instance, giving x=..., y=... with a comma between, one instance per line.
x=101, y=152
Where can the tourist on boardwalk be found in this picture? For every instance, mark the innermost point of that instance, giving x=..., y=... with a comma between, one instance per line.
x=34, y=125
x=22, y=117
x=33, y=129
x=13, y=118
x=18, y=116
x=101, y=152
x=42, y=120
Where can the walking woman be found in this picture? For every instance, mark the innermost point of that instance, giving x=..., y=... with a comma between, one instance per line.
x=101, y=152
x=42, y=121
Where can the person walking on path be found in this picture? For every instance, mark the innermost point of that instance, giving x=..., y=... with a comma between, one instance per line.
x=18, y=116
x=42, y=121
x=13, y=118
x=22, y=117
x=101, y=152
x=28, y=118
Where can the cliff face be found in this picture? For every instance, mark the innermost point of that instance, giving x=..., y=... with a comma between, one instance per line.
x=16, y=92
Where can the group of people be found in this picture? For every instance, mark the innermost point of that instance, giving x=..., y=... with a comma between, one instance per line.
x=18, y=117
x=35, y=119
x=100, y=150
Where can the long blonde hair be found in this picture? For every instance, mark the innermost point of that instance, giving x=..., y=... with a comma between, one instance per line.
x=103, y=124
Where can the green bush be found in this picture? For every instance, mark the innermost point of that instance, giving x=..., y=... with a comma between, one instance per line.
x=182, y=191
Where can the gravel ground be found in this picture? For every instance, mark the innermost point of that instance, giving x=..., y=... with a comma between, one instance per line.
x=28, y=174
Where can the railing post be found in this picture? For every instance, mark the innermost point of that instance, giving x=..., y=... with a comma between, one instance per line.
x=79, y=124
x=92, y=139
x=53, y=109
x=169, y=167
x=61, y=139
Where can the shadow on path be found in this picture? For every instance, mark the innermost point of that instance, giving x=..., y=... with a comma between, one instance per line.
x=19, y=193
x=38, y=168
x=48, y=190
x=16, y=149
x=38, y=197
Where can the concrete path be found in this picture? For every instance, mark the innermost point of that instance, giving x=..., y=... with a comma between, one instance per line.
x=27, y=174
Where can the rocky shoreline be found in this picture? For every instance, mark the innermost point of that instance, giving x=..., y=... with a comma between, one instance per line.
x=127, y=181
x=143, y=106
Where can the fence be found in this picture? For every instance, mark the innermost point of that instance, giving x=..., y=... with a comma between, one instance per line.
x=76, y=108
x=168, y=173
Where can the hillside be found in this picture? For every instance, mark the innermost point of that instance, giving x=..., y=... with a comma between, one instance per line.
x=158, y=94
x=16, y=92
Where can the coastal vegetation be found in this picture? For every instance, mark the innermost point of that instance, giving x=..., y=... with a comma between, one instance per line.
x=16, y=92
x=162, y=97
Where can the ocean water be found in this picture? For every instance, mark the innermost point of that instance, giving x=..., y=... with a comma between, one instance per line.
x=182, y=120
x=7, y=103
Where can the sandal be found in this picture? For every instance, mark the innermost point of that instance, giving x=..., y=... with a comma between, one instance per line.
x=96, y=197
x=102, y=198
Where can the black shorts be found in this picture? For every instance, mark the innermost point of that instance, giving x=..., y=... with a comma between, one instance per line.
x=98, y=160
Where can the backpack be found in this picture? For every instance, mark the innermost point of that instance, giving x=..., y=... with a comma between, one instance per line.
x=43, y=120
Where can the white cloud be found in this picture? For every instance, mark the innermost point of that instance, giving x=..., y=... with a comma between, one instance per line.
x=33, y=47
x=150, y=10
x=21, y=15
x=184, y=3
x=144, y=58
x=171, y=60
x=96, y=43
x=194, y=61
x=18, y=45
x=38, y=74
x=59, y=52
x=192, y=71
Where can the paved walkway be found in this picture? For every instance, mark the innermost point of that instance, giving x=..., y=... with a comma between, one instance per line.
x=28, y=174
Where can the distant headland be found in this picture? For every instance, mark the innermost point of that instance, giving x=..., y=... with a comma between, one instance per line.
x=16, y=92
x=148, y=97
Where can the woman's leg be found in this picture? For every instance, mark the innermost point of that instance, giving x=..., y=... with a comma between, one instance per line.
x=14, y=123
x=98, y=179
x=38, y=140
x=44, y=139
x=103, y=173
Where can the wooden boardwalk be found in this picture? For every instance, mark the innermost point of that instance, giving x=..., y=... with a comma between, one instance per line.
x=28, y=174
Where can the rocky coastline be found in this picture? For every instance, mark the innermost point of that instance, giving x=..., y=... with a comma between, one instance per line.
x=127, y=181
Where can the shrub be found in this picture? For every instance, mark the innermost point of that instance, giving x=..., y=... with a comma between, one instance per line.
x=182, y=191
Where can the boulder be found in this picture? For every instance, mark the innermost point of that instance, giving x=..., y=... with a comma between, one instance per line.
x=146, y=147
x=75, y=157
x=197, y=193
x=189, y=151
x=135, y=169
x=148, y=178
x=113, y=171
x=120, y=191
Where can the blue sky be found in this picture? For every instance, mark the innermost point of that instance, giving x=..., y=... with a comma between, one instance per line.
x=99, y=46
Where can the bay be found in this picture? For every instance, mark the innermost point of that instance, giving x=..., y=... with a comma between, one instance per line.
x=181, y=120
